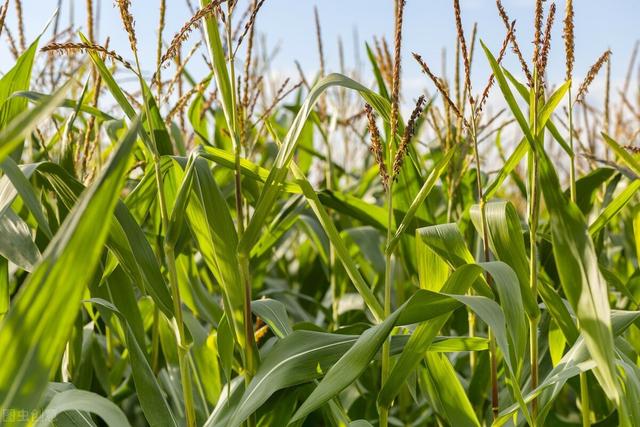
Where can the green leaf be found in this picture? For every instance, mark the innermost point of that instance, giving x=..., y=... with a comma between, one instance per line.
x=224, y=341
x=426, y=188
x=510, y=342
x=575, y=361
x=280, y=167
x=160, y=141
x=34, y=332
x=24, y=123
x=289, y=363
x=626, y=157
x=382, y=87
x=5, y=287
x=16, y=79
x=424, y=334
x=37, y=98
x=524, y=93
x=583, y=284
x=215, y=234
x=85, y=401
x=341, y=251
x=508, y=95
x=614, y=207
x=507, y=244
x=356, y=359
x=274, y=314
x=126, y=240
x=447, y=393
x=17, y=244
x=221, y=73
x=507, y=168
x=22, y=186
x=349, y=367
x=155, y=407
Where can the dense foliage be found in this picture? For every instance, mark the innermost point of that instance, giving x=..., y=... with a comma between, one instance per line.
x=229, y=250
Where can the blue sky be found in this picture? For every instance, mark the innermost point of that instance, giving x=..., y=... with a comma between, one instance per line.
x=429, y=27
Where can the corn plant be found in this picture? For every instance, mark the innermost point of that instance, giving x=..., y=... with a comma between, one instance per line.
x=230, y=249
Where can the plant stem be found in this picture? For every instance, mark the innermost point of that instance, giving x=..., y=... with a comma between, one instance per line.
x=572, y=166
x=388, y=278
x=183, y=350
x=250, y=350
x=534, y=210
x=155, y=340
x=250, y=343
x=584, y=400
x=485, y=248
x=493, y=354
x=169, y=254
x=333, y=284
x=183, y=347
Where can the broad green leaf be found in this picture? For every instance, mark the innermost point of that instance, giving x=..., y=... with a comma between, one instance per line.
x=80, y=400
x=356, y=359
x=433, y=271
x=289, y=363
x=37, y=97
x=218, y=59
x=424, y=334
x=511, y=163
x=281, y=224
x=349, y=367
x=16, y=79
x=614, y=207
x=630, y=380
x=306, y=355
x=155, y=123
x=228, y=401
x=23, y=187
x=583, y=284
x=447, y=242
x=213, y=229
x=274, y=314
x=25, y=122
x=588, y=186
x=575, y=361
x=126, y=239
x=34, y=332
x=224, y=339
x=508, y=95
x=447, y=393
x=510, y=341
x=626, y=157
x=507, y=244
x=17, y=244
x=556, y=307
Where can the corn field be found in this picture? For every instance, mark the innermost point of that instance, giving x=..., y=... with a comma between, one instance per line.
x=234, y=249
